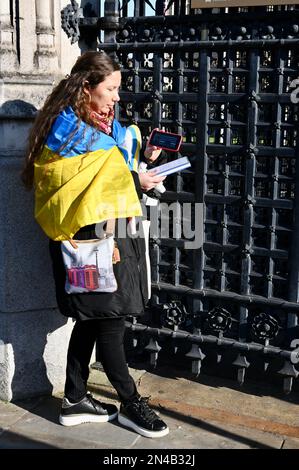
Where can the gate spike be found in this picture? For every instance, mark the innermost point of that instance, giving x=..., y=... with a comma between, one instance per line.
x=197, y=354
x=154, y=349
x=241, y=375
x=287, y=385
x=290, y=372
x=242, y=363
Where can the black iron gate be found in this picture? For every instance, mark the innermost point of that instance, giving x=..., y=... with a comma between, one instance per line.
x=226, y=80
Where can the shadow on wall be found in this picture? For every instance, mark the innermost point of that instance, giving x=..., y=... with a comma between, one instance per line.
x=36, y=359
x=34, y=342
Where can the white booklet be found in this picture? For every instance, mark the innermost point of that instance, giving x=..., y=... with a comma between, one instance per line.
x=172, y=167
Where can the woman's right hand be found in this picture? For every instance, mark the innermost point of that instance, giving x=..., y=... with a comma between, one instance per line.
x=149, y=180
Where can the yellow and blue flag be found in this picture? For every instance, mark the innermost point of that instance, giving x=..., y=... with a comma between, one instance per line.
x=85, y=180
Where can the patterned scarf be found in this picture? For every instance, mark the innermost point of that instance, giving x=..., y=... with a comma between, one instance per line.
x=103, y=121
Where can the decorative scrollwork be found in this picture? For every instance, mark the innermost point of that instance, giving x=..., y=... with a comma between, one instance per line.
x=218, y=32
x=219, y=319
x=156, y=95
x=145, y=33
x=125, y=33
x=247, y=250
x=70, y=21
x=251, y=152
x=173, y=314
x=268, y=32
x=293, y=31
x=249, y=201
x=242, y=33
x=253, y=97
x=264, y=326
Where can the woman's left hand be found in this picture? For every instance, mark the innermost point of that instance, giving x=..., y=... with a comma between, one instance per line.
x=151, y=153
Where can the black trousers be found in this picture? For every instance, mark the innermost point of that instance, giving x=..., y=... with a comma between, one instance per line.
x=109, y=334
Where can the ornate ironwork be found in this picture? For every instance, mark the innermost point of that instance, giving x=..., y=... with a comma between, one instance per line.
x=154, y=349
x=265, y=326
x=219, y=319
x=173, y=314
x=227, y=82
x=124, y=4
x=242, y=364
x=197, y=357
x=70, y=21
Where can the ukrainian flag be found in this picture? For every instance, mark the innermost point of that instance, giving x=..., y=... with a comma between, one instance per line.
x=87, y=180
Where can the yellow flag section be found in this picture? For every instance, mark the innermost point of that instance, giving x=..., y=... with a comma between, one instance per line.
x=82, y=190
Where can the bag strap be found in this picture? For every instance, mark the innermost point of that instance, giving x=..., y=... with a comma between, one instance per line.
x=73, y=243
x=110, y=227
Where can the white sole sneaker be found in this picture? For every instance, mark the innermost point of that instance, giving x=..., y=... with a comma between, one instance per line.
x=85, y=418
x=143, y=432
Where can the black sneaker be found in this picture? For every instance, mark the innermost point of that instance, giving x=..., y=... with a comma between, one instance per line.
x=137, y=415
x=88, y=410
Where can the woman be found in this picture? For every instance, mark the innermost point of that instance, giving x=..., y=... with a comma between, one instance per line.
x=81, y=162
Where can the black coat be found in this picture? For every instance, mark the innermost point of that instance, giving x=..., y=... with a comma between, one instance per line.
x=130, y=298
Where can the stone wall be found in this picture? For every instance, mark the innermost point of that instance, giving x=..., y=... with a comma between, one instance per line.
x=34, y=54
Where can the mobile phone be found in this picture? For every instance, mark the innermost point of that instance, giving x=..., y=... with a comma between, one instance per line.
x=165, y=140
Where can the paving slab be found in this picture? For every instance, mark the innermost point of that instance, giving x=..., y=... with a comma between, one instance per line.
x=254, y=401
x=290, y=444
x=11, y=413
x=191, y=431
x=207, y=413
x=203, y=435
x=40, y=425
x=38, y=428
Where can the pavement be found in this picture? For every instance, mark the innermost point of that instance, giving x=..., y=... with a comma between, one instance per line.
x=203, y=413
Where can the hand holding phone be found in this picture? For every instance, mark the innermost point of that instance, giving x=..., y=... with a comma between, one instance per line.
x=151, y=153
x=165, y=140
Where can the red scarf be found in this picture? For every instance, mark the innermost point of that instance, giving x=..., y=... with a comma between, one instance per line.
x=103, y=121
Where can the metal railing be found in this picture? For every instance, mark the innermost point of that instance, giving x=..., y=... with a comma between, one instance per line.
x=224, y=80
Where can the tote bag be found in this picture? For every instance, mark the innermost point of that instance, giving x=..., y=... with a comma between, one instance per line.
x=89, y=265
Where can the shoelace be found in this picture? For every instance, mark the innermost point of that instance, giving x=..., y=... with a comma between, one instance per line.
x=91, y=399
x=145, y=410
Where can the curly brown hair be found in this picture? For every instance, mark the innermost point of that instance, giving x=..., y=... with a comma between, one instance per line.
x=92, y=67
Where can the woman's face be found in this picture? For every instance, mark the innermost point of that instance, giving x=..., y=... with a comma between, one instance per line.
x=104, y=96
